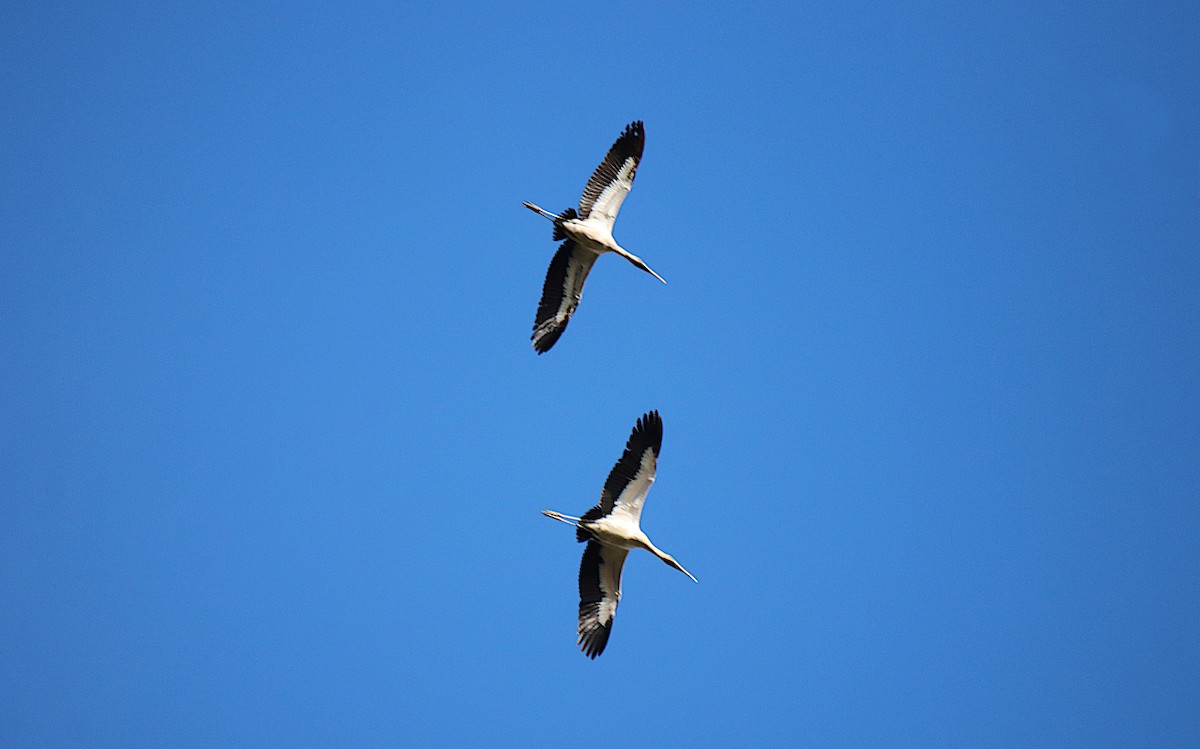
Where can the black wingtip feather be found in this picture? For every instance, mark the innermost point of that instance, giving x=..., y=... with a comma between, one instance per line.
x=633, y=139
x=593, y=643
x=649, y=425
x=547, y=341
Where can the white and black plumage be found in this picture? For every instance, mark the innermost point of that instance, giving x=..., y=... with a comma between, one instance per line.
x=611, y=529
x=587, y=235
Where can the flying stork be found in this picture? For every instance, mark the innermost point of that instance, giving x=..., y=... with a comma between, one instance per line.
x=611, y=529
x=587, y=235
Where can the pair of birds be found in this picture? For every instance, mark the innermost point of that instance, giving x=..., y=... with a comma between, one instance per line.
x=612, y=528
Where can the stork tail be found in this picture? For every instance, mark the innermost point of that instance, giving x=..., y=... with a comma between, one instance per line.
x=559, y=233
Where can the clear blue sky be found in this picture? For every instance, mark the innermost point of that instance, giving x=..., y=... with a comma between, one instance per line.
x=275, y=442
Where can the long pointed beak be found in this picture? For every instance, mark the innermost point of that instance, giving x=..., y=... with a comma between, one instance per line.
x=671, y=561
x=638, y=262
x=646, y=268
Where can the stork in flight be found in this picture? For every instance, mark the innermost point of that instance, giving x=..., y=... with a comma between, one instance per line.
x=611, y=529
x=587, y=235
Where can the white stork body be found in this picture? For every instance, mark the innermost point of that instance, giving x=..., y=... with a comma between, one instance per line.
x=588, y=235
x=611, y=529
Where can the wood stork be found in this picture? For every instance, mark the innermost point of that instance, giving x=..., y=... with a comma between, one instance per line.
x=611, y=529
x=588, y=235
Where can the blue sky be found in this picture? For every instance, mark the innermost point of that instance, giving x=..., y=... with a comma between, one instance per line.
x=275, y=442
